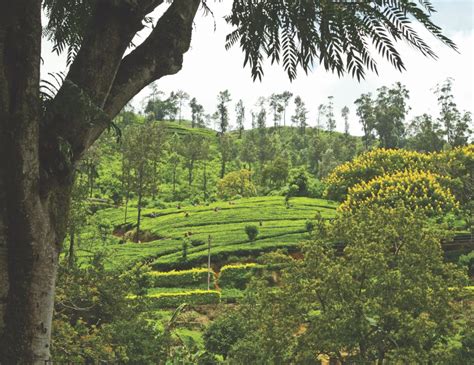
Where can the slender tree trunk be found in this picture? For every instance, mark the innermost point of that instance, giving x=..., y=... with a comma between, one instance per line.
x=174, y=179
x=91, y=180
x=223, y=163
x=72, y=236
x=155, y=179
x=190, y=172
x=139, y=205
x=208, y=262
x=381, y=357
x=127, y=198
x=204, y=180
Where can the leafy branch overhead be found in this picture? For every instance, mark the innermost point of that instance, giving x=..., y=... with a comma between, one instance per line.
x=337, y=35
x=68, y=21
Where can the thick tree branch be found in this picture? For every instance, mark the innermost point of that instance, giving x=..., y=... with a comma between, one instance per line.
x=147, y=6
x=161, y=54
x=112, y=27
x=100, y=83
x=77, y=108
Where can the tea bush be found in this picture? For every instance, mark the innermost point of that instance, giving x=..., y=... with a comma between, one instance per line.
x=174, y=300
x=252, y=232
x=180, y=279
x=237, y=276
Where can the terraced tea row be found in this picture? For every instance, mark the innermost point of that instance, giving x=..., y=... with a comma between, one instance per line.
x=224, y=222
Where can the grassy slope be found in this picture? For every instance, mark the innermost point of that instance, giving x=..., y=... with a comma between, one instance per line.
x=225, y=223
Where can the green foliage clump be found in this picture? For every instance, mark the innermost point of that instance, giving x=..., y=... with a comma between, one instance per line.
x=129, y=341
x=180, y=279
x=174, y=300
x=458, y=165
x=467, y=261
x=94, y=321
x=298, y=182
x=252, y=232
x=389, y=298
x=144, y=236
x=236, y=183
x=302, y=183
x=309, y=225
x=231, y=295
x=237, y=276
x=197, y=242
x=223, y=333
x=184, y=250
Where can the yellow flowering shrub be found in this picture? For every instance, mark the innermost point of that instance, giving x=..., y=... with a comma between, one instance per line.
x=371, y=165
x=416, y=190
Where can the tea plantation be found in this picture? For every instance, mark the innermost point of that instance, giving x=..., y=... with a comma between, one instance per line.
x=175, y=280
x=165, y=230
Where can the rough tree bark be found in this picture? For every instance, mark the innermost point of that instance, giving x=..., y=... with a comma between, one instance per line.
x=38, y=151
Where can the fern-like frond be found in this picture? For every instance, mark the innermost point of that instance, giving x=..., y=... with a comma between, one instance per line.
x=49, y=88
x=67, y=22
x=336, y=35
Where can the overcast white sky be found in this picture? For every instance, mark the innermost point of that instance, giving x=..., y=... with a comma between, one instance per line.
x=208, y=68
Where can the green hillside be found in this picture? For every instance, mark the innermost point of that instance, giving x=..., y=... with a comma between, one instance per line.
x=224, y=222
x=184, y=127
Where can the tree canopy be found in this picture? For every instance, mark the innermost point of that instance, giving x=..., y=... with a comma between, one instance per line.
x=389, y=297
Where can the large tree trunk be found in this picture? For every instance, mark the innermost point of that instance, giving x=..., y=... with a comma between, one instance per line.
x=38, y=151
x=33, y=214
x=33, y=243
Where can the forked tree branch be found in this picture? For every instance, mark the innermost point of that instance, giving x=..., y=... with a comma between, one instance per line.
x=159, y=55
x=100, y=82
